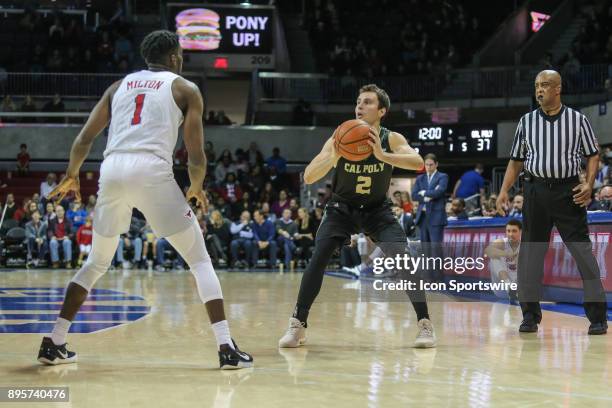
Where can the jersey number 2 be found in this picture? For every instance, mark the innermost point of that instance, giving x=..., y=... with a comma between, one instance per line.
x=139, y=102
x=364, y=183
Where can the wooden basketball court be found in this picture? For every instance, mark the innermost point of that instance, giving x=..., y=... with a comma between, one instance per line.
x=154, y=348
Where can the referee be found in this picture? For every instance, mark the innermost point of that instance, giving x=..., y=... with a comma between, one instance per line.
x=549, y=143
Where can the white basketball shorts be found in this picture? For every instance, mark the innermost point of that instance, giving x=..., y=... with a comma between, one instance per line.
x=144, y=181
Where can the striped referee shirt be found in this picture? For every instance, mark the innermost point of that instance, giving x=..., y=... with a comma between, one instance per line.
x=552, y=146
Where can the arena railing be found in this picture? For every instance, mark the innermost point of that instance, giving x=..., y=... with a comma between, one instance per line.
x=67, y=85
x=468, y=83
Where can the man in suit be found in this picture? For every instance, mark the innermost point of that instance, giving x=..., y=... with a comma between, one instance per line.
x=406, y=221
x=429, y=191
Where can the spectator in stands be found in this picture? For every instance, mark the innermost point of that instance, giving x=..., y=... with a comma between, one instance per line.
x=8, y=106
x=517, y=206
x=162, y=245
x=603, y=172
x=23, y=160
x=30, y=208
x=36, y=239
x=268, y=194
x=294, y=207
x=242, y=166
x=406, y=202
x=38, y=59
x=406, y=221
x=56, y=32
x=60, y=231
x=149, y=240
x=230, y=190
x=211, y=119
x=242, y=238
x=264, y=236
x=55, y=105
x=265, y=210
x=286, y=230
x=36, y=199
x=88, y=64
x=225, y=208
x=91, y=204
x=245, y=204
x=397, y=198
x=277, y=161
x=123, y=50
x=105, y=53
x=28, y=105
x=133, y=238
x=304, y=238
x=276, y=179
x=225, y=166
x=253, y=155
x=222, y=119
x=48, y=185
x=84, y=238
x=571, y=71
x=458, y=209
x=281, y=204
x=77, y=214
x=470, y=183
x=255, y=180
x=302, y=114
x=72, y=62
x=218, y=238
x=603, y=200
x=21, y=212
x=55, y=62
x=10, y=207
x=49, y=212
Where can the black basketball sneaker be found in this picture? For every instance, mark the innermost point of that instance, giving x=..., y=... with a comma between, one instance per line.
x=51, y=354
x=233, y=359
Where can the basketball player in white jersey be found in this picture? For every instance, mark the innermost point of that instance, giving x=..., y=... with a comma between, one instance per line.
x=504, y=258
x=145, y=110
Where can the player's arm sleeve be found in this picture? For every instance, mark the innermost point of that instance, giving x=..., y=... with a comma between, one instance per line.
x=517, y=152
x=587, y=138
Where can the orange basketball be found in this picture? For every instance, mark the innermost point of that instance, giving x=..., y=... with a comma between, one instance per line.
x=351, y=139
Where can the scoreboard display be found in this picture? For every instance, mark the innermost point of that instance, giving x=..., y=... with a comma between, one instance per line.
x=453, y=141
x=224, y=37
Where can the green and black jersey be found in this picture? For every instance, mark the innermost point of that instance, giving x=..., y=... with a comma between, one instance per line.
x=364, y=183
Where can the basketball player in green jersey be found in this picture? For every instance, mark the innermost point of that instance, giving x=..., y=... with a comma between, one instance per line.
x=359, y=203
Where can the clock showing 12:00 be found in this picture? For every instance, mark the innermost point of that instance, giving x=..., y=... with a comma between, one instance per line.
x=449, y=141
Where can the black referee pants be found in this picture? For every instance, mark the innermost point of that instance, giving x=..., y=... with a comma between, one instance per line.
x=547, y=205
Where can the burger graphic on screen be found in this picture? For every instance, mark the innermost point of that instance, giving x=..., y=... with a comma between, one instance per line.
x=198, y=29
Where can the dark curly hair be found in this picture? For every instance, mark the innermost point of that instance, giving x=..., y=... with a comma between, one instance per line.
x=157, y=44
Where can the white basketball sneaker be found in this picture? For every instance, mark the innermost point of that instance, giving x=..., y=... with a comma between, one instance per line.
x=295, y=335
x=426, y=337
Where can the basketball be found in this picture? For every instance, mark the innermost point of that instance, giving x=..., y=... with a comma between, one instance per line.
x=351, y=139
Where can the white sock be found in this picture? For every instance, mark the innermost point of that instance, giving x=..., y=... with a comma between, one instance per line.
x=222, y=334
x=58, y=335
